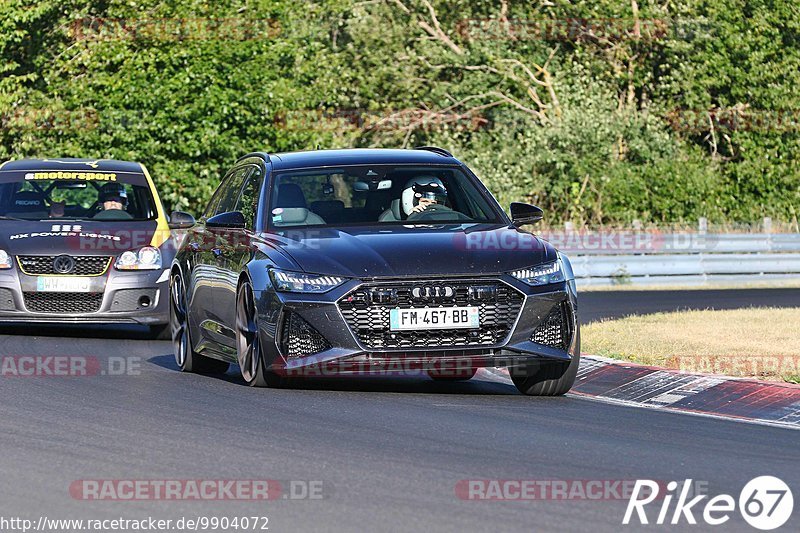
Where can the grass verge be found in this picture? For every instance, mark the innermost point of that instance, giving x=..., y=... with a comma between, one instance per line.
x=759, y=342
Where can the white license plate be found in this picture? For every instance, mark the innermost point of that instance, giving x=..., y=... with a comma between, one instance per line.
x=70, y=284
x=434, y=318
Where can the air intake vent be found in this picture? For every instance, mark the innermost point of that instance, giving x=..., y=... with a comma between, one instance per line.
x=300, y=339
x=72, y=303
x=555, y=330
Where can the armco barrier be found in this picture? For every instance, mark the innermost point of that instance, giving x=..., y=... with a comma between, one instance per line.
x=617, y=258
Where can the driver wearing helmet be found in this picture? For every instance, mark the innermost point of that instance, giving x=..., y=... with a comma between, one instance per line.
x=423, y=193
x=114, y=200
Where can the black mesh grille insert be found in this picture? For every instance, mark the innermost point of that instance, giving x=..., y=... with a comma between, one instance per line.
x=131, y=299
x=85, y=265
x=366, y=310
x=63, y=302
x=555, y=330
x=6, y=300
x=300, y=339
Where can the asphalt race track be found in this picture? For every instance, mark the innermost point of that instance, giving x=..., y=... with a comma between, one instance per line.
x=388, y=452
x=601, y=304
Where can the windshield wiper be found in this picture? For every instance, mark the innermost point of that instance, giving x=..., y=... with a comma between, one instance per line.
x=3, y=217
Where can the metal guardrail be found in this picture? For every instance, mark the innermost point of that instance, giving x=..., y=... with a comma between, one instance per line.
x=618, y=258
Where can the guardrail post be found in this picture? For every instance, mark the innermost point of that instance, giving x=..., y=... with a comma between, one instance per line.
x=702, y=226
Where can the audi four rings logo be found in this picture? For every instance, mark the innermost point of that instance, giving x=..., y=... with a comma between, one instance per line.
x=432, y=292
x=63, y=264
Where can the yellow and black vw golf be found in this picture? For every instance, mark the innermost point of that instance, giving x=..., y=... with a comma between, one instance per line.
x=83, y=241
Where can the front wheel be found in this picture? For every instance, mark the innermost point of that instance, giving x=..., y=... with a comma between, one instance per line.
x=548, y=378
x=248, y=341
x=187, y=359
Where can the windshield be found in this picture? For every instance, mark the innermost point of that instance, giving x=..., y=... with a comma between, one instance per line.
x=377, y=194
x=48, y=195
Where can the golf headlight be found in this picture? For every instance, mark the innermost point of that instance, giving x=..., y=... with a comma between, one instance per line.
x=285, y=281
x=5, y=260
x=541, y=275
x=147, y=258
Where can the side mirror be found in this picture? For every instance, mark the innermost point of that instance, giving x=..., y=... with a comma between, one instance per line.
x=522, y=214
x=229, y=219
x=180, y=220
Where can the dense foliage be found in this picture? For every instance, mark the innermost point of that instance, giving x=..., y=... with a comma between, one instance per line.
x=600, y=111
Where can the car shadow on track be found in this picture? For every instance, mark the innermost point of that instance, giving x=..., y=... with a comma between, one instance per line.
x=110, y=331
x=420, y=383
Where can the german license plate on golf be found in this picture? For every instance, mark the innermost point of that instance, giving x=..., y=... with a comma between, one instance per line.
x=69, y=284
x=434, y=318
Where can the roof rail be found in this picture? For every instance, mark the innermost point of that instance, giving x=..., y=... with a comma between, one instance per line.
x=262, y=155
x=435, y=150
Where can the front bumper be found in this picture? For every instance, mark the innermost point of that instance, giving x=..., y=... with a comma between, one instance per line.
x=344, y=349
x=114, y=298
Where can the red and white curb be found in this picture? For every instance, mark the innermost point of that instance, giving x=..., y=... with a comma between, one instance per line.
x=762, y=402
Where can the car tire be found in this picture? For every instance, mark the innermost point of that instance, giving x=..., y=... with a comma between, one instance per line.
x=548, y=378
x=187, y=359
x=452, y=375
x=248, y=342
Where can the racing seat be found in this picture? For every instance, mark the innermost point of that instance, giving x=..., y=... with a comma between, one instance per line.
x=295, y=209
x=28, y=204
x=393, y=214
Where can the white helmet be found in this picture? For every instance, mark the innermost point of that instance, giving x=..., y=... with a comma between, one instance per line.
x=424, y=186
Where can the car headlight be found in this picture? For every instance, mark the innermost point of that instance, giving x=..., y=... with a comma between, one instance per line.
x=5, y=260
x=147, y=258
x=296, y=282
x=543, y=274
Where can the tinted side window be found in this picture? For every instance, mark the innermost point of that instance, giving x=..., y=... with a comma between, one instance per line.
x=248, y=199
x=227, y=201
x=211, y=209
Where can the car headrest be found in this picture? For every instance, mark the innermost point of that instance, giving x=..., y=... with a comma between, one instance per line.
x=290, y=195
x=294, y=215
x=26, y=201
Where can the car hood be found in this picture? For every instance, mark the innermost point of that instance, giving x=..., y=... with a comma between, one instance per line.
x=74, y=237
x=407, y=251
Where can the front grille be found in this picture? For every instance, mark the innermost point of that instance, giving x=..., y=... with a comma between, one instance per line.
x=63, y=302
x=85, y=265
x=366, y=311
x=299, y=338
x=555, y=330
x=6, y=300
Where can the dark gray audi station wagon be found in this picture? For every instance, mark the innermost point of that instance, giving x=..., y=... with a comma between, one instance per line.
x=353, y=262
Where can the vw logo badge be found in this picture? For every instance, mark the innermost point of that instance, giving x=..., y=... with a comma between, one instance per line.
x=63, y=264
